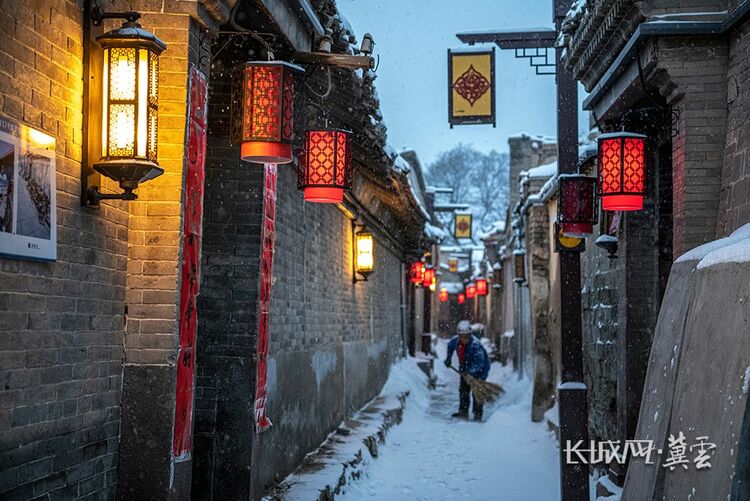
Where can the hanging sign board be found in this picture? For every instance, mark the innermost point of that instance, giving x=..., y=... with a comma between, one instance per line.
x=28, y=219
x=463, y=225
x=453, y=265
x=471, y=86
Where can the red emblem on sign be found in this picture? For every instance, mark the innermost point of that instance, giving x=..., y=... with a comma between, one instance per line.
x=471, y=85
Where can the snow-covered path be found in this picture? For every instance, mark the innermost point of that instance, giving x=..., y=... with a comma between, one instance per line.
x=431, y=456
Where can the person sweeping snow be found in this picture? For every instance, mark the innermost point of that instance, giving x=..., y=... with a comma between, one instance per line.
x=474, y=366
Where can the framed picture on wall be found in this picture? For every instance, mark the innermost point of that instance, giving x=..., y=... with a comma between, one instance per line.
x=28, y=216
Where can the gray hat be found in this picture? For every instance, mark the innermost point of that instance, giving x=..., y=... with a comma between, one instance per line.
x=464, y=327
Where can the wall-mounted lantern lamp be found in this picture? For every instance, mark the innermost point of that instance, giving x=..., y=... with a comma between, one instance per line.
x=497, y=273
x=576, y=211
x=461, y=299
x=622, y=170
x=324, y=169
x=471, y=291
x=266, y=122
x=481, y=286
x=443, y=295
x=364, y=256
x=417, y=273
x=519, y=265
x=129, y=106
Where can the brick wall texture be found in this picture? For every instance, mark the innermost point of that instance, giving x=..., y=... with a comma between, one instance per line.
x=735, y=188
x=61, y=323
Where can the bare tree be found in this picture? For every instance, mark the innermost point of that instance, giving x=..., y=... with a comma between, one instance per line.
x=479, y=179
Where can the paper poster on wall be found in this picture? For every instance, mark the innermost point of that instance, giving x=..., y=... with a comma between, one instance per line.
x=28, y=219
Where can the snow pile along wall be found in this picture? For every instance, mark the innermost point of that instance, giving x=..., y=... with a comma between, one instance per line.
x=694, y=385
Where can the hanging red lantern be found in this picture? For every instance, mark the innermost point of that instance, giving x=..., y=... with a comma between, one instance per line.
x=443, y=295
x=417, y=272
x=481, y=286
x=622, y=171
x=461, y=298
x=429, y=277
x=266, y=130
x=324, y=169
x=471, y=291
x=576, y=211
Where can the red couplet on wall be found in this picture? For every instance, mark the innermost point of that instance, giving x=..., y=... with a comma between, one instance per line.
x=324, y=169
x=622, y=170
x=481, y=286
x=267, y=129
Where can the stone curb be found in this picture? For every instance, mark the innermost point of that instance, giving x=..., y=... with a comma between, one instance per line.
x=342, y=457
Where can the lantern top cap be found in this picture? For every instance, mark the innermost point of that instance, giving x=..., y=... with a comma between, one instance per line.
x=576, y=176
x=615, y=135
x=329, y=129
x=285, y=64
x=131, y=33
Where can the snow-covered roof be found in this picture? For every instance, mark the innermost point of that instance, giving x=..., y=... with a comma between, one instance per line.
x=732, y=249
x=536, y=137
x=434, y=233
x=496, y=227
x=543, y=171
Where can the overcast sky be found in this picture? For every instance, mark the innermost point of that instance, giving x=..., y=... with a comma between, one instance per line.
x=412, y=38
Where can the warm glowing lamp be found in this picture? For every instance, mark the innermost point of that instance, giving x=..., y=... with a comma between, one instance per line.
x=481, y=286
x=622, y=170
x=471, y=291
x=130, y=108
x=417, y=272
x=428, y=277
x=443, y=295
x=461, y=298
x=364, y=262
x=266, y=131
x=324, y=169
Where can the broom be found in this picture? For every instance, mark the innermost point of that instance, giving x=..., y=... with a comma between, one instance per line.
x=483, y=391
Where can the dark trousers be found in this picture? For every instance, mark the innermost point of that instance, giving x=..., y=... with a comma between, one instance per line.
x=464, y=394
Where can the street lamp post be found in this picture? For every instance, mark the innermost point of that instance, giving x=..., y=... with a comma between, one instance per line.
x=535, y=46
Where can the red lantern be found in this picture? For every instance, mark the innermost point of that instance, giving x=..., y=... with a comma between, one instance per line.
x=267, y=125
x=429, y=277
x=461, y=298
x=324, y=169
x=622, y=171
x=481, y=286
x=576, y=211
x=471, y=291
x=443, y=295
x=417, y=272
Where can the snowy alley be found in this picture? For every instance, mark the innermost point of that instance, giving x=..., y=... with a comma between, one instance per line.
x=431, y=456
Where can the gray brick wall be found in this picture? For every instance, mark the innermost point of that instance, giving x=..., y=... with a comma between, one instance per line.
x=735, y=187
x=61, y=324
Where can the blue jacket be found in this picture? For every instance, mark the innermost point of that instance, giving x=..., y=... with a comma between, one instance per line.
x=476, y=360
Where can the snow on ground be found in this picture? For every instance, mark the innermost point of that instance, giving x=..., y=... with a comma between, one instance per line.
x=431, y=456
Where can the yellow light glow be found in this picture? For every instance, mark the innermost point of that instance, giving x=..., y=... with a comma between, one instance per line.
x=105, y=101
x=122, y=80
x=142, y=101
x=121, y=130
x=364, y=253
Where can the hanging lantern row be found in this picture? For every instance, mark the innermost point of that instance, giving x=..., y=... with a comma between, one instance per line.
x=471, y=291
x=622, y=170
x=576, y=211
x=266, y=133
x=443, y=295
x=461, y=298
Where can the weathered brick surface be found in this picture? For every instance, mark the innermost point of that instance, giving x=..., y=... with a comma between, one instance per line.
x=735, y=186
x=61, y=324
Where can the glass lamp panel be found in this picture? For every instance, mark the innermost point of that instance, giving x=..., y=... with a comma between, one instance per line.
x=105, y=101
x=153, y=78
x=142, y=131
x=152, y=129
x=121, y=130
x=122, y=84
x=365, y=259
